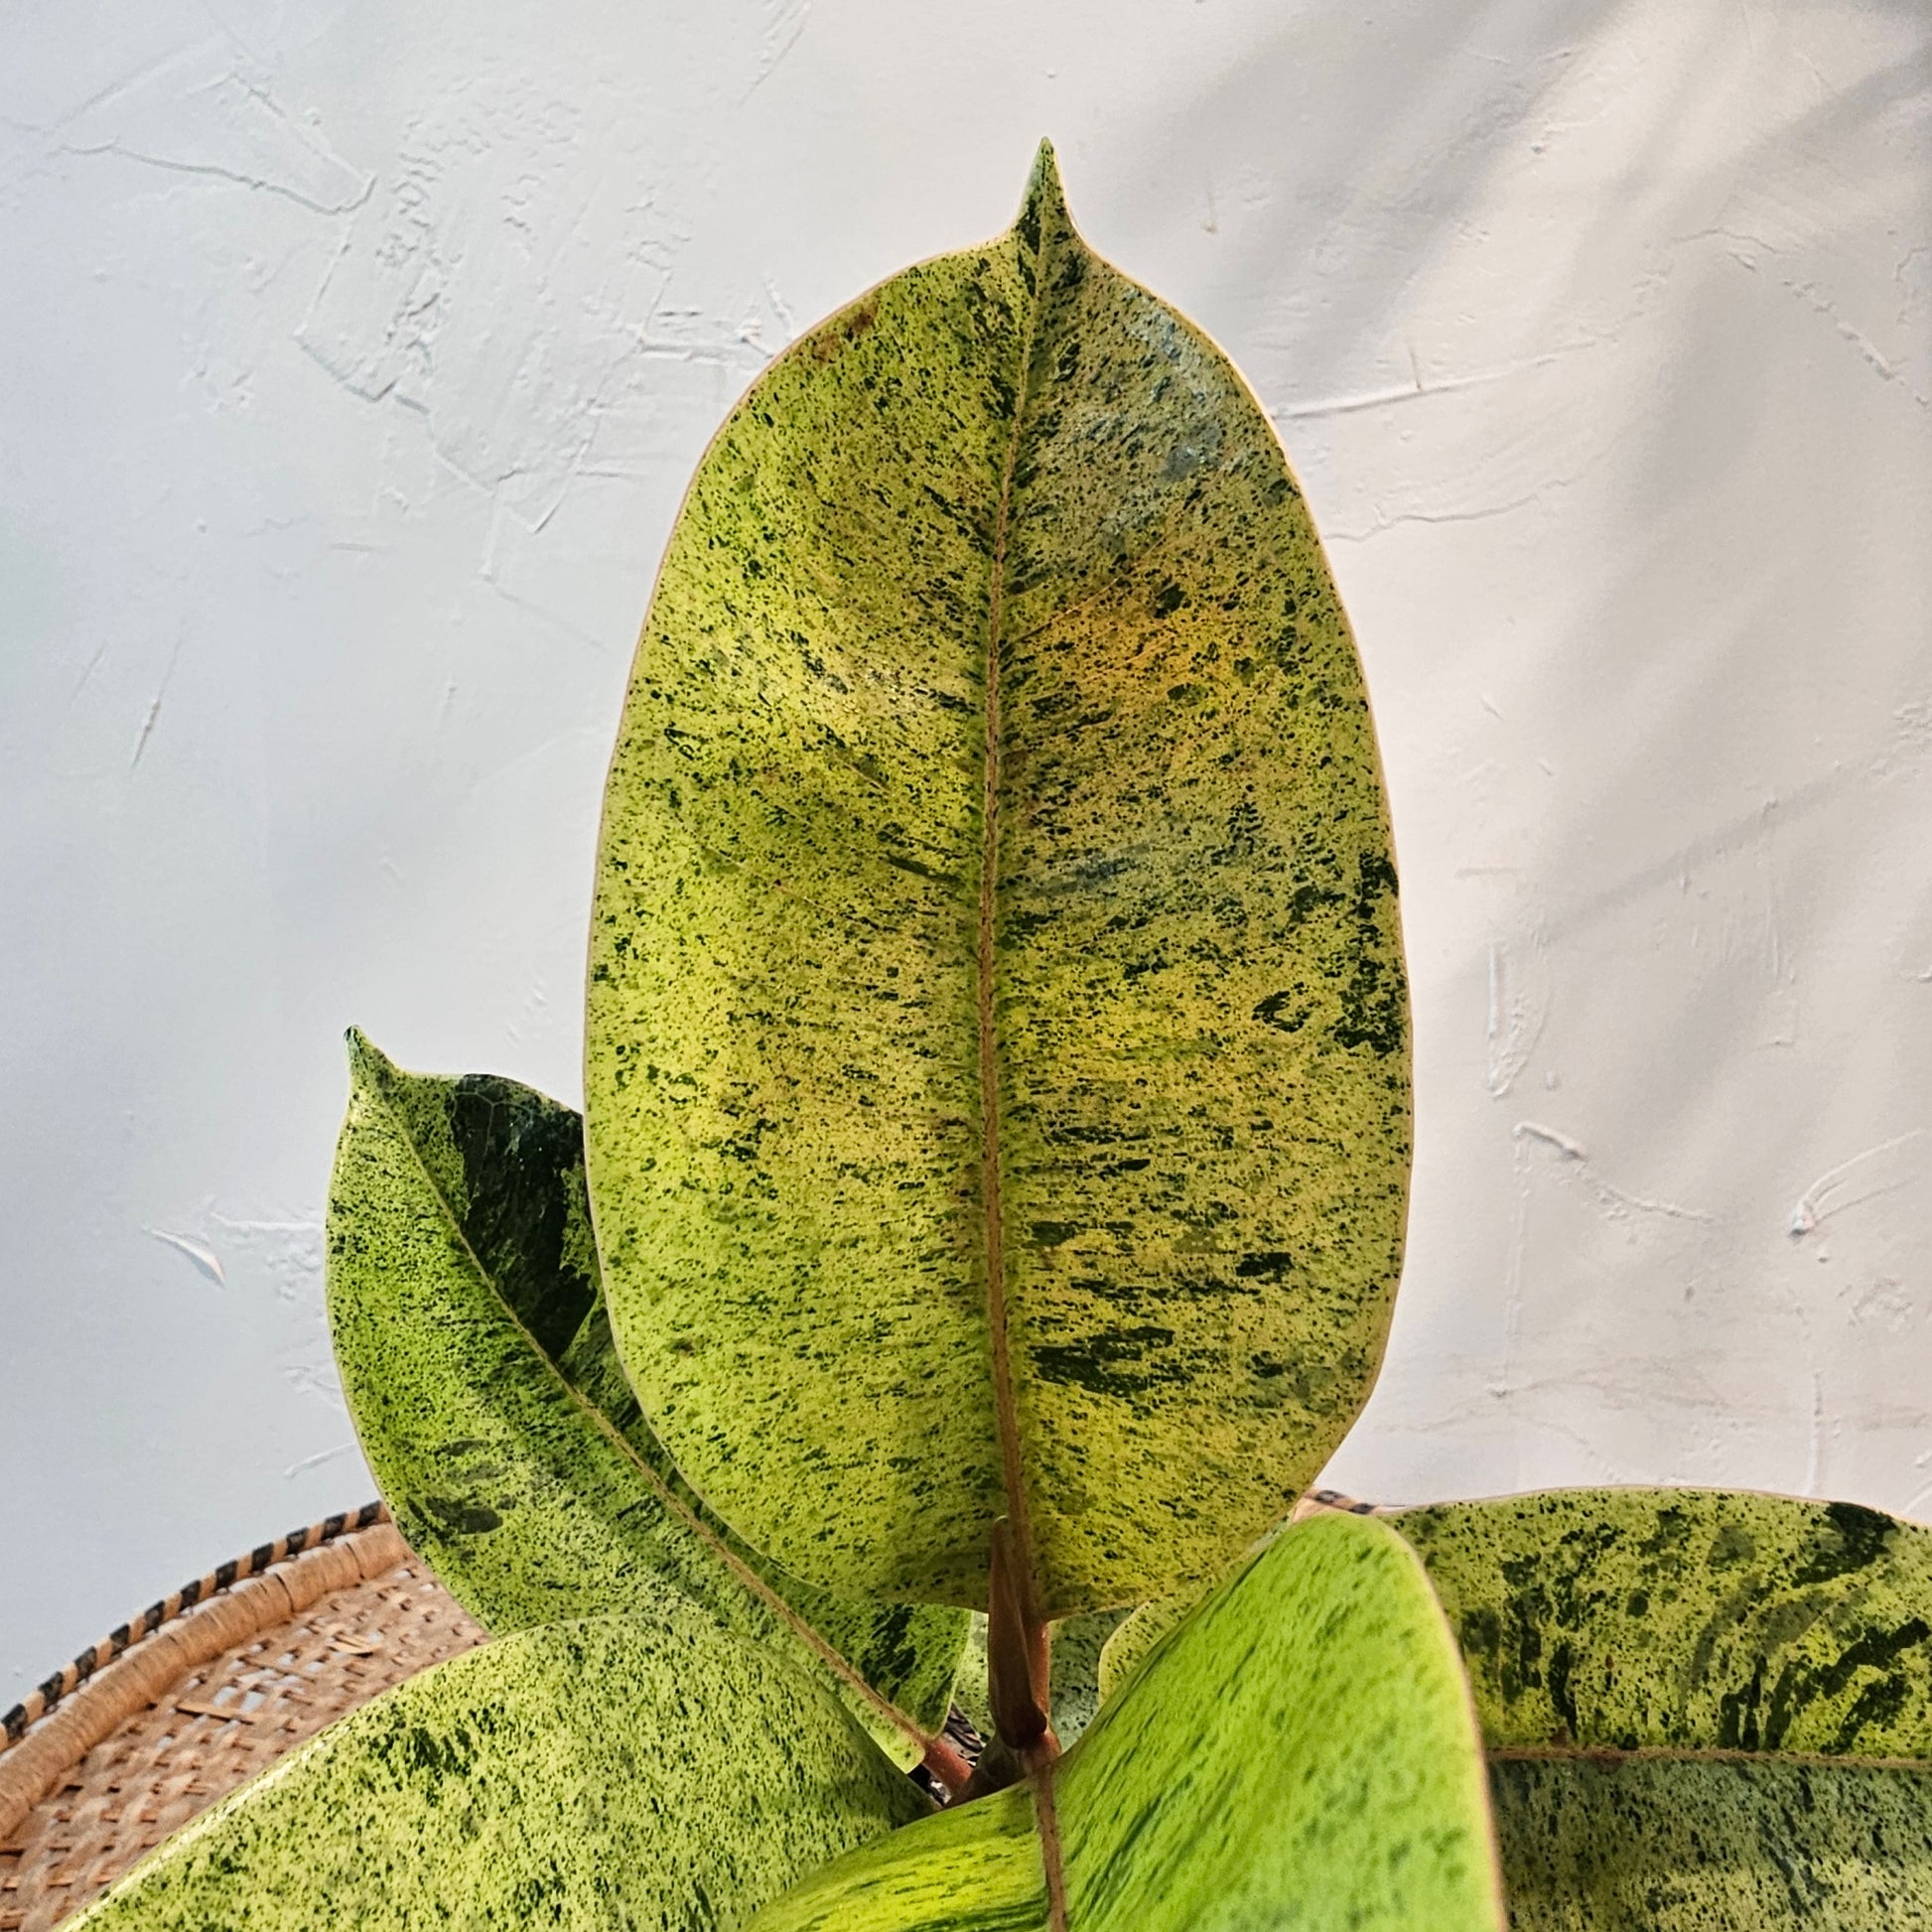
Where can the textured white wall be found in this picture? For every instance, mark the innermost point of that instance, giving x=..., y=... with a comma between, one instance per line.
x=356, y=356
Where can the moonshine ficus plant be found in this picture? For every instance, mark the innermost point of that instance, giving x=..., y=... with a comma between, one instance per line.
x=984, y=1223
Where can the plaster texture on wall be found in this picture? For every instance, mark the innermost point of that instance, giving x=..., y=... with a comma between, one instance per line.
x=357, y=358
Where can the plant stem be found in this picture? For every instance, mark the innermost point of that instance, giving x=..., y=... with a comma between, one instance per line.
x=946, y=1766
x=1017, y=1656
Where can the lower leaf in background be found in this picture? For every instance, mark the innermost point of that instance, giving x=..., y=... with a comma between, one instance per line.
x=1702, y=1710
x=1301, y=1751
x=1076, y=1649
x=585, y=1775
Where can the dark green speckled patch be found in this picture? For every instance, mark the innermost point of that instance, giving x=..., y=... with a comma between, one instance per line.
x=995, y=962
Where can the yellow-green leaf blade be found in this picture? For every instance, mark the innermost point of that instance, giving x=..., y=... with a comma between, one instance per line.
x=583, y=1775
x=975, y=1868
x=1688, y=1619
x=478, y=1365
x=1320, y=1685
x=997, y=1073
x=1299, y=1751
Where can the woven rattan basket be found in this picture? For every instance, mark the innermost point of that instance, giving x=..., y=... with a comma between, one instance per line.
x=201, y=1692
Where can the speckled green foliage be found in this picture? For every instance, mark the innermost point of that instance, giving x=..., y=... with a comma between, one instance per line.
x=612, y=1773
x=1656, y=1845
x=478, y=1366
x=1681, y=1618
x=975, y=1868
x=1007, y=529
x=1301, y=1751
x=1122, y=1652
x=1076, y=1651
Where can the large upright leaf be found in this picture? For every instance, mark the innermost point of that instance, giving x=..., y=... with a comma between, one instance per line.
x=585, y=1775
x=998, y=1066
x=1299, y=1752
x=478, y=1364
x=1704, y=1710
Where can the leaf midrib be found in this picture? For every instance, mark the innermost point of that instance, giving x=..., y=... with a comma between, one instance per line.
x=1045, y=1812
x=1006, y=1414
x=740, y=1571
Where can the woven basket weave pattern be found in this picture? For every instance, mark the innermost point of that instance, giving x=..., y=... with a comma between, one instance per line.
x=217, y=1723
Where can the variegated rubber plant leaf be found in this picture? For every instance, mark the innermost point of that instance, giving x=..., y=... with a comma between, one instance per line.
x=998, y=1045
x=479, y=1367
x=614, y=1772
x=1301, y=1751
x=1702, y=1710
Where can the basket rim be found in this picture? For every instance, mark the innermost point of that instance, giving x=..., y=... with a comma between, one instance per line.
x=54, y=1690
x=267, y=1598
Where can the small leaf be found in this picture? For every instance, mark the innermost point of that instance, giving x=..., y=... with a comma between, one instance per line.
x=971, y=1692
x=478, y=1364
x=1078, y=1644
x=998, y=1046
x=1301, y=1751
x=611, y=1772
x=1128, y=1648
x=974, y=1869
x=1704, y=1710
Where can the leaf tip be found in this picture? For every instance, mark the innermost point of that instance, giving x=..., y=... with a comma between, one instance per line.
x=368, y=1064
x=1042, y=209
